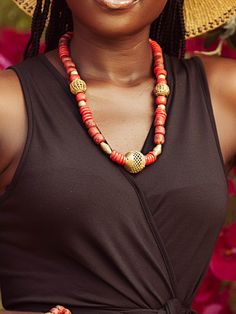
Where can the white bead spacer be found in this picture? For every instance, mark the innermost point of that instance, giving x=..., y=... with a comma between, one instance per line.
x=82, y=103
x=161, y=107
x=106, y=148
x=157, y=150
x=74, y=72
x=161, y=76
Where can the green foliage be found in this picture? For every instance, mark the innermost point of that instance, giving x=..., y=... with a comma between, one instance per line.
x=12, y=16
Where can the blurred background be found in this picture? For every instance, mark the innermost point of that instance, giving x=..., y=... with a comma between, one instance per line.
x=217, y=294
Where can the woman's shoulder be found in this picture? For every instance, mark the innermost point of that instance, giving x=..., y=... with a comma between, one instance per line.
x=221, y=77
x=12, y=120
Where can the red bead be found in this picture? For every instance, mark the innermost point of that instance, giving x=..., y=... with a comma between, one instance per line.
x=81, y=96
x=157, y=55
x=159, y=129
x=160, y=111
x=64, y=49
x=86, y=117
x=159, y=71
x=70, y=69
x=160, y=120
x=86, y=112
x=64, y=54
x=160, y=66
x=161, y=100
x=73, y=77
x=161, y=80
x=150, y=158
x=159, y=139
x=93, y=131
x=118, y=157
x=156, y=48
x=89, y=123
x=85, y=109
x=69, y=64
x=68, y=35
x=98, y=138
x=159, y=61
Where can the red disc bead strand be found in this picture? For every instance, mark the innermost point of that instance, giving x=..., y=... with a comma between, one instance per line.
x=78, y=88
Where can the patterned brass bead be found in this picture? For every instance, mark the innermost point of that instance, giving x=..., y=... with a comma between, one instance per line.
x=135, y=162
x=162, y=89
x=78, y=86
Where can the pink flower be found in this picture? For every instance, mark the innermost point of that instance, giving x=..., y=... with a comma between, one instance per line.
x=3, y=62
x=12, y=46
x=232, y=187
x=211, y=298
x=198, y=44
x=223, y=261
x=234, y=171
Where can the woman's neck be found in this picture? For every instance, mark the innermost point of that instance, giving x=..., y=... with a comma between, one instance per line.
x=122, y=61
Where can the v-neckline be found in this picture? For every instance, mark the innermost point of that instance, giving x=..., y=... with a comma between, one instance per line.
x=147, y=144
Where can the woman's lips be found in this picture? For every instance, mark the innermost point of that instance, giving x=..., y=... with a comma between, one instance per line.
x=117, y=4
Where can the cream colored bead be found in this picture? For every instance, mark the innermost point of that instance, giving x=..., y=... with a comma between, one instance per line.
x=82, y=103
x=157, y=150
x=106, y=148
x=74, y=72
x=161, y=76
x=163, y=107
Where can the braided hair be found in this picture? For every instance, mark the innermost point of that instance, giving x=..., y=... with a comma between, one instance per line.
x=168, y=29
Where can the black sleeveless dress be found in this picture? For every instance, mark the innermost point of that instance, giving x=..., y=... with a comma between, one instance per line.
x=78, y=230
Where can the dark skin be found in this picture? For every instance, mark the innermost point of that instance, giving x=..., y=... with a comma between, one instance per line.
x=113, y=55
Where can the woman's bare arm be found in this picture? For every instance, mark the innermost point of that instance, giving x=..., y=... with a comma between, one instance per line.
x=13, y=125
x=221, y=74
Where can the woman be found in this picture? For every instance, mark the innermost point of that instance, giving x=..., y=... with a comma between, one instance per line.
x=78, y=229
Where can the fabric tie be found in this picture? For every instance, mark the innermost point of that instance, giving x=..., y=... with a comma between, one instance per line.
x=173, y=306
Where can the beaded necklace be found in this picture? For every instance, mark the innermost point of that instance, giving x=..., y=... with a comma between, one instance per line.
x=133, y=161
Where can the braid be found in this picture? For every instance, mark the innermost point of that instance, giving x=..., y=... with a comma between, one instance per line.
x=60, y=22
x=37, y=27
x=168, y=29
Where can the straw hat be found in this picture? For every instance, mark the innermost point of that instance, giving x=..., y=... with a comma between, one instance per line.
x=200, y=16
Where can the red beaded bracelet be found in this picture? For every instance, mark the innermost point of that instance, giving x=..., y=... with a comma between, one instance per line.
x=59, y=309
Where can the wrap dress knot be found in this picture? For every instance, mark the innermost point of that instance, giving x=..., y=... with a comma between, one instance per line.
x=80, y=231
x=173, y=306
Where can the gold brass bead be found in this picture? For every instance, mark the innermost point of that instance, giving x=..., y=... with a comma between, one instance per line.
x=78, y=86
x=135, y=162
x=157, y=150
x=106, y=148
x=162, y=89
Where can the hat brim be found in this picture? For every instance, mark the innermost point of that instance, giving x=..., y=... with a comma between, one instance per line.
x=200, y=16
